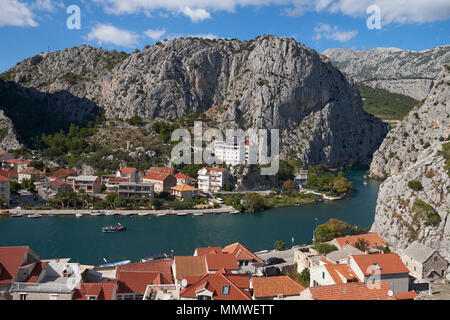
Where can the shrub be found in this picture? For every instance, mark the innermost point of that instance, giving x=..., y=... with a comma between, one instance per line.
x=279, y=245
x=415, y=185
x=324, y=248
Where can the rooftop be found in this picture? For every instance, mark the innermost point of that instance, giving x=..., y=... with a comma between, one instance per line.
x=11, y=259
x=418, y=252
x=158, y=176
x=217, y=261
x=273, y=286
x=389, y=263
x=352, y=291
x=189, y=266
x=374, y=240
x=242, y=253
x=183, y=187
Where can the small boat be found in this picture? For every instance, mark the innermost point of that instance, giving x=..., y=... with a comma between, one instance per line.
x=110, y=213
x=161, y=214
x=125, y=214
x=34, y=216
x=234, y=212
x=197, y=214
x=78, y=215
x=114, y=264
x=181, y=214
x=17, y=215
x=96, y=213
x=144, y=214
x=4, y=211
x=117, y=228
x=217, y=213
x=53, y=215
x=366, y=183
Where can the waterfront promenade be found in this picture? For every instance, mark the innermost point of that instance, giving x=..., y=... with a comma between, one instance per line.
x=142, y=212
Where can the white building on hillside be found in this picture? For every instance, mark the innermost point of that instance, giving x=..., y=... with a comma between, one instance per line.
x=212, y=179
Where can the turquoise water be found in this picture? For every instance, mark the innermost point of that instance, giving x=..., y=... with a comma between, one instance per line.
x=82, y=240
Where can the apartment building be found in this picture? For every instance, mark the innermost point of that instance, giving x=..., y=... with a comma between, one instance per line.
x=212, y=179
x=135, y=190
x=90, y=184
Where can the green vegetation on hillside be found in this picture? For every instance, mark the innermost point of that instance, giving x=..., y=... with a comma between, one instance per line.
x=335, y=228
x=426, y=212
x=384, y=104
x=321, y=179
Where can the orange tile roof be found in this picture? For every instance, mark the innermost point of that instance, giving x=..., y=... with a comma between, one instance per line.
x=390, y=263
x=161, y=266
x=137, y=281
x=8, y=173
x=273, y=286
x=338, y=270
x=351, y=291
x=3, y=178
x=215, y=169
x=31, y=171
x=18, y=161
x=11, y=259
x=162, y=170
x=182, y=176
x=215, y=283
x=203, y=251
x=241, y=253
x=103, y=291
x=156, y=176
x=406, y=296
x=128, y=170
x=64, y=172
x=189, y=266
x=183, y=187
x=217, y=261
x=117, y=180
x=374, y=240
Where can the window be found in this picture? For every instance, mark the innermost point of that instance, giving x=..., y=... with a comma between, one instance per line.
x=204, y=298
x=92, y=297
x=323, y=275
x=23, y=296
x=225, y=290
x=435, y=258
x=53, y=297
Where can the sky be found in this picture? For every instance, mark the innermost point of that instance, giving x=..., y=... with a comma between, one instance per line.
x=30, y=27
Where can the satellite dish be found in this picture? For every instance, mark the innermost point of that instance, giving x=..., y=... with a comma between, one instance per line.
x=184, y=283
x=390, y=293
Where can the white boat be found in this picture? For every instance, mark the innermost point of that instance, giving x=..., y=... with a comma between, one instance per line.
x=34, y=216
x=161, y=214
x=18, y=215
x=234, y=212
x=96, y=213
x=197, y=214
x=181, y=214
x=78, y=215
x=144, y=214
x=126, y=214
x=110, y=213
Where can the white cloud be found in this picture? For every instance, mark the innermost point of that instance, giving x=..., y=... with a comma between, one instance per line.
x=397, y=11
x=333, y=33
x=15, y=13
x=47, y=5
x=196, y=15
x=109, y=34
x=155, y=34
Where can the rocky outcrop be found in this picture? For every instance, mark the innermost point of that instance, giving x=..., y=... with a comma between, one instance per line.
x=425, y=125
x=406, y=72
x=268, y=83
x=8, y=138
x=414, y=202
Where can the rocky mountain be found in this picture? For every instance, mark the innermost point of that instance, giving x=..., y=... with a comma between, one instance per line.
x=8, y=138
x=411, y=73
x=414, y=202
x=268, y=82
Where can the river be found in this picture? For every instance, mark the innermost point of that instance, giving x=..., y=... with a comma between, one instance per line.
x=82, y=240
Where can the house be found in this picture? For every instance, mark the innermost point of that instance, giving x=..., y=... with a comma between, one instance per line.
x=184, y=192
x=90, y=184
x=162, y=170
x=16, y=164
x=328, y=273
x=112, y=184
x=134, y=190
x=5, y=189
x=349, y=291
x=47, y=280
x=231, y=153
x=424, y=262
x=219, y=261
x=373, y=240
x=48, y=190
x=340, y=256
x=133, y=284
x=8, y=173
x=381, y=267
x=216, y=286
x=212, y=179
x=183, y=179
x=300, y=179
x=162, y=181
x=12, y=261
x=30, y=173
x=131, y=174
x=275, y=288
x=96, y=291
x=307, y=258
x=163, y=266
x=246, y=259
x=64, y=173
x=185, y=266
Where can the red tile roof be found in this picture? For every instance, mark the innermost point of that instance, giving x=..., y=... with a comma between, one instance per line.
x=217, y=261
x=31, y=171
x=64, y=172
x=242, y=253
x=117, y=180
x=351, y=291
x=183, y=187
x=3, y=178
x=137, y=281
x=182, y=176
x=157, y=176
x=337, y=271
x=8, y=173
x=406, y=296
x=161, y=266
x=103, y=291
x=390, y=263
x=189, y=266
x=18, y=161
x=203, y=251
x=273, y=286
x=128, y=170
x=11, y=259
x=215, y=283
x=374, y=240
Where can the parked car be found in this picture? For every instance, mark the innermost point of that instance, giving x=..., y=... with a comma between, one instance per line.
x=274, y=260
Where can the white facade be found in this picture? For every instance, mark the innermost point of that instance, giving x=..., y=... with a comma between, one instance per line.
x=212, y=179
x=231, y=153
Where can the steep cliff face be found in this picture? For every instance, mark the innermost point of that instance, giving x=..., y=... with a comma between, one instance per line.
x=8, y=138
x=269, y=82
x=425, y=125
x=414, y=202
x=411, y=73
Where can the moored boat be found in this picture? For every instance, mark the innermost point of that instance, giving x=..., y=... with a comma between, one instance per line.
x=181, y=214
x=96, y=213
x=110, y=213
x=34, y=216
x=197, y=214
x=78, y=215
x=366, y=183
x=161, y=214
x=234, y=212
x=115, y=264
x=17, y=215
x=217, y=213
x=126, y=214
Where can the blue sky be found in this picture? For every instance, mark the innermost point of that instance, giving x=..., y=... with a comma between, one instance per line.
x=31, y=27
